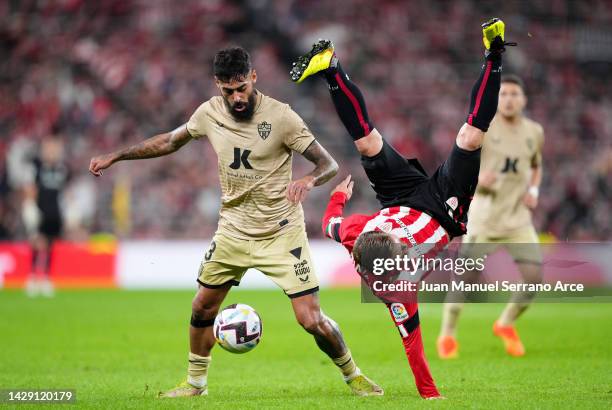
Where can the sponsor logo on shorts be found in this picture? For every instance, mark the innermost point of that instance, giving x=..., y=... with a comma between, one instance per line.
x=302, y=270
x=399, y=312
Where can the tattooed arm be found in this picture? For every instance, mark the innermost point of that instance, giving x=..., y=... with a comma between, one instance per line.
x=325, y=169
x=161, y=144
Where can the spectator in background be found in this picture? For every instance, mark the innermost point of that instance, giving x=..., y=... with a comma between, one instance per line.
x=41, y=211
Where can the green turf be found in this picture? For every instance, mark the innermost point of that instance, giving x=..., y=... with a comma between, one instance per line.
x=118, y=349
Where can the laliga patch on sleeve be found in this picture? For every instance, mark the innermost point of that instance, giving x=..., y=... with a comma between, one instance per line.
x=399, y=312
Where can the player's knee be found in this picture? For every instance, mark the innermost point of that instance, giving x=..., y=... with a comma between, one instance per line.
x=532, y=272
x=311, y=322
x=202, y=308
x=370, y=145
x=469, y=138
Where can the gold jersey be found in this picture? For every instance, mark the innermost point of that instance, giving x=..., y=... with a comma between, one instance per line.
x=510, y=151
x=254, y=162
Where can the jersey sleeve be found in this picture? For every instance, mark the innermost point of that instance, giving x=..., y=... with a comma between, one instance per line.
x=197, y=126
x=536, y=160
x=339, y=228
x=297, y=136
x=333, y=216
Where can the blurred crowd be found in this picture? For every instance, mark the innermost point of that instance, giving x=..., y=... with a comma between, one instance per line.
x=106, y=74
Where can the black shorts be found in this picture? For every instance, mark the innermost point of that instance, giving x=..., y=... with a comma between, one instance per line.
x=446, y=195
x=51, y=226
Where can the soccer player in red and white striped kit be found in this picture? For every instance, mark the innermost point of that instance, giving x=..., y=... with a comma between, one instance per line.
x=419, y=211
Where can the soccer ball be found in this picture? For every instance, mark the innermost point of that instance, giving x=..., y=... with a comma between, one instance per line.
x=238, y=328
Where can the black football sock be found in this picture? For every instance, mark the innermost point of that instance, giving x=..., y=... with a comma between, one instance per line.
x=349, y=103
x=485, y=93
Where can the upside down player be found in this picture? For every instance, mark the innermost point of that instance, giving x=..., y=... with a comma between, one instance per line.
x=417, y=209
x=261, y=222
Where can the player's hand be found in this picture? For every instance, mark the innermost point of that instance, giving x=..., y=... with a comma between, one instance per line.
x=346, y=187
x=530, y=201
x=298, y=190
x=486, y=179
x=97, y=164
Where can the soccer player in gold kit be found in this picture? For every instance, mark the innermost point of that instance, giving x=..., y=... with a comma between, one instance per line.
x=261, y=222
x=500, y=214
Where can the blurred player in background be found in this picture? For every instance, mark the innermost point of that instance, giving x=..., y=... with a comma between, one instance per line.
x=506, y=195
x=422, y=212
x=41, y=211
x=261, y=222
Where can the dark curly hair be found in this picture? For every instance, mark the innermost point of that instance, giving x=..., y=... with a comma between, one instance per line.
x=231, y=63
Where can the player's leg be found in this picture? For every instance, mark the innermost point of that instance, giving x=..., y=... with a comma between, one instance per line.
x=524, y=248
x=287, y=261
x=39, y=248
x=391, y=175
x=46, y=285
x=329, y=338
x=485, y=92
x=42, y=249
x=454, y=182
x=473, y=247
x=406, y=317
x=346, y=96
x=224, y=264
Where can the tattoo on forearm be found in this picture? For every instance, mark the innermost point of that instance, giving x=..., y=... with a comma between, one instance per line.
x=149, y=148
x=325, y=166
x=162, y=144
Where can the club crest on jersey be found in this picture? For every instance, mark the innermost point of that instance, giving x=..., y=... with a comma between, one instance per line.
x=264, y=129
x=386, y=227
x=452, y=203
x=399, y=312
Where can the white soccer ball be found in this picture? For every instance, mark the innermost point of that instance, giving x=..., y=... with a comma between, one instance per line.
x=238, y=328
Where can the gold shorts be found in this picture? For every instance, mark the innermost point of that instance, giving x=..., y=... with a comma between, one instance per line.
x=284, y=258
x=523, y=245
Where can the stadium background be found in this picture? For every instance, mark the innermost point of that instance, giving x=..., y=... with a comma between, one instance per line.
x=109, y=73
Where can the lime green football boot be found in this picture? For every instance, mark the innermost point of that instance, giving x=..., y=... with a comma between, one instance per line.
x=493, y=32
x=362, y=386
x=184, y=390
x=319, y=58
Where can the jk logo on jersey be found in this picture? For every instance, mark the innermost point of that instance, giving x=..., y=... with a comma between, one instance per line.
x=241, y=157
x=264, y=129
x=510, y=165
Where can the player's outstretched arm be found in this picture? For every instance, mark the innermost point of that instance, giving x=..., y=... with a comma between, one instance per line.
x=325, y=169
x=332, y=219
x=156, y=146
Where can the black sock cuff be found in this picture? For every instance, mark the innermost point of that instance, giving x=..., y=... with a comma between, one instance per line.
x=201, y=323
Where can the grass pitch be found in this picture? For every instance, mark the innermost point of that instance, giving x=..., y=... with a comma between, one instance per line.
x=119, y=348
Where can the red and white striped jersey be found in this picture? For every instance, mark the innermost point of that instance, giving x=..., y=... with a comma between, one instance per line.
x=422, y=233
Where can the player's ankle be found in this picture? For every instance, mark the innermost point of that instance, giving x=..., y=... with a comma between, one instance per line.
x=351, y=376
x=197, y=381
